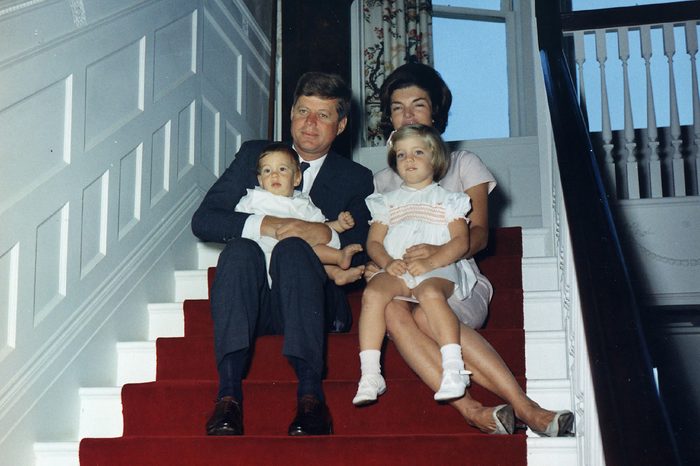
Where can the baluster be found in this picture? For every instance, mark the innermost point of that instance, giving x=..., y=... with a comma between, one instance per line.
x=602, y=56
x=691, y=42
x=655, y=187
x=580, y=57
x=632, y=170
x=677, y=160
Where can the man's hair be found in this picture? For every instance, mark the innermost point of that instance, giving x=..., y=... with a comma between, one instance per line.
x=279, y=147
x=424, y=77
x=325, y=86
x=440, y=158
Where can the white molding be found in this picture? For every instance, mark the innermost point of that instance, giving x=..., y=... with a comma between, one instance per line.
x=93, y=311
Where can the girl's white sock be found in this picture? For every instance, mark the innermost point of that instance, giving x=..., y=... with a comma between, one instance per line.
x=452, y=357
x=369, y=362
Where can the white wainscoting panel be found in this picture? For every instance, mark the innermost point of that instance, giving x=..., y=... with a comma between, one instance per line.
x=93, y=240
x=175, y=54
x=115, y=117
x=114, y=91
x=160, y=162
x=9, y=269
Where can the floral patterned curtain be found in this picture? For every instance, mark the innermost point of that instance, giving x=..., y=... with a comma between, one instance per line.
x=395, y=32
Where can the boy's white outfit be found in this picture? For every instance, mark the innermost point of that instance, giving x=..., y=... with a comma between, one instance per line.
x=299, y=206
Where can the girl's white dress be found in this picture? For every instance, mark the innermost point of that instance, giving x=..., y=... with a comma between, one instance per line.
x=416, y=216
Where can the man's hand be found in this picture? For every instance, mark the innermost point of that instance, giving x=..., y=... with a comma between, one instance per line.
x=311, y=232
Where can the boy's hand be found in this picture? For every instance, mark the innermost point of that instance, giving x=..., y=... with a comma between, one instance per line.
x=345, y=220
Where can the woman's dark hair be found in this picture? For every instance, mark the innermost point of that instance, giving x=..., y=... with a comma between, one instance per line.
x=325, y=86
x=424, y=77
x=440, y=155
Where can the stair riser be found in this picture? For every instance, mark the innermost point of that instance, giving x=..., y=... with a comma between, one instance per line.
x=334, y=450
x=193, y=358
x=100, y=412
x=182, y=409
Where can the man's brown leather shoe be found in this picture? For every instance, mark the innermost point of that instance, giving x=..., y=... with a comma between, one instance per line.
x=313, y=418
x=227, y=418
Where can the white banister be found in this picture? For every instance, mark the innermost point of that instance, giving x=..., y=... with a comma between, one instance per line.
x=631, y=168
x=602, y=56
x=677, y=160
x=691, y=44
x=580, y=58
x=655, y=187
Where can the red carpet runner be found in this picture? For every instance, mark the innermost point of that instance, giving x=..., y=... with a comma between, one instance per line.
x=164, y=420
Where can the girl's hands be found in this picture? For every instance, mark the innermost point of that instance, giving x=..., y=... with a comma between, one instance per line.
x=419, y=267
x=419, y=251
x=396, y=267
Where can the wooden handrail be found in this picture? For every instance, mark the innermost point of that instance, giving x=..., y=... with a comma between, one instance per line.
x=610, y=18
x=634, y=425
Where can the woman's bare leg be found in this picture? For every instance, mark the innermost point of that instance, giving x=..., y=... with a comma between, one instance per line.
x=491, y=372
x=422, y=354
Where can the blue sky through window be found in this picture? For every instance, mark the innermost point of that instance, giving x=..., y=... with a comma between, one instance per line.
x=471, y=56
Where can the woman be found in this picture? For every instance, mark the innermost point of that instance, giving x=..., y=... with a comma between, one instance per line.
x=416, y=94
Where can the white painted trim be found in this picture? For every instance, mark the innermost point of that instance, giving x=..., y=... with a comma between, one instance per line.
x=93, y=312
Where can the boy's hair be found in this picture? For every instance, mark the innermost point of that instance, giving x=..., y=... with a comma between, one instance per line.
x=440, y=157
x=325, y=86
x=279, y=147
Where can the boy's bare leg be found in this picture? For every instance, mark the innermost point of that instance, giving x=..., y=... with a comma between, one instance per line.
x=344, y=276
x=340, y=257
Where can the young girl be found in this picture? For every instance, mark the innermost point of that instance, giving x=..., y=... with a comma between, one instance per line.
x=420, y=211
x=278, y=175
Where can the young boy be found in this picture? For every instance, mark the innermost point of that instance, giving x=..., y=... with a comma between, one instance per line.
x=278, y=174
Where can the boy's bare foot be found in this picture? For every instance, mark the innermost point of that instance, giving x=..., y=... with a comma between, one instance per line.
x=346, y=255
x=343, y=277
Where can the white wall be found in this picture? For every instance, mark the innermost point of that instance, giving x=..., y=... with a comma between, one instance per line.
x=514, y=162
x=115, y=116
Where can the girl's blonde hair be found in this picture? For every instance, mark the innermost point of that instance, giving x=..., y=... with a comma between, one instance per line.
x=440, y=154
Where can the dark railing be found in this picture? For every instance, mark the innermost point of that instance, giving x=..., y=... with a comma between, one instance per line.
x=634, y=425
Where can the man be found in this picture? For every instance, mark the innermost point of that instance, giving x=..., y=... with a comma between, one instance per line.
x=302, y=303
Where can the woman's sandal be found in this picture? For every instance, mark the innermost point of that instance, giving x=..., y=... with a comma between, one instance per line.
x=504, y=418
x=560, y=426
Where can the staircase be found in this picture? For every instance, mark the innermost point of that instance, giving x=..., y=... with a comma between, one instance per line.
x=162, y=421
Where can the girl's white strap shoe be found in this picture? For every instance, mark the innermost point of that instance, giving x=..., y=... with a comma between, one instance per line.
x=453, y=385
x=370, y=386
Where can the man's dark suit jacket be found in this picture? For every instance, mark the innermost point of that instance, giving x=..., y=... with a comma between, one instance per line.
x=340, y=185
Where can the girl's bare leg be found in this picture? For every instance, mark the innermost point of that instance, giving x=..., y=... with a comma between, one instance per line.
x=379, y=292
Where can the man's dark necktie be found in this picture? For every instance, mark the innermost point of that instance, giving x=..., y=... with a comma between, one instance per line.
x=303, y=166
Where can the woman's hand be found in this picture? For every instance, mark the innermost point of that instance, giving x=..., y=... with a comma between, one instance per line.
x=397, y=267
x=419, y=251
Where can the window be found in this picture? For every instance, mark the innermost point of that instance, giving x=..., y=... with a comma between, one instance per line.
x=476, y=52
